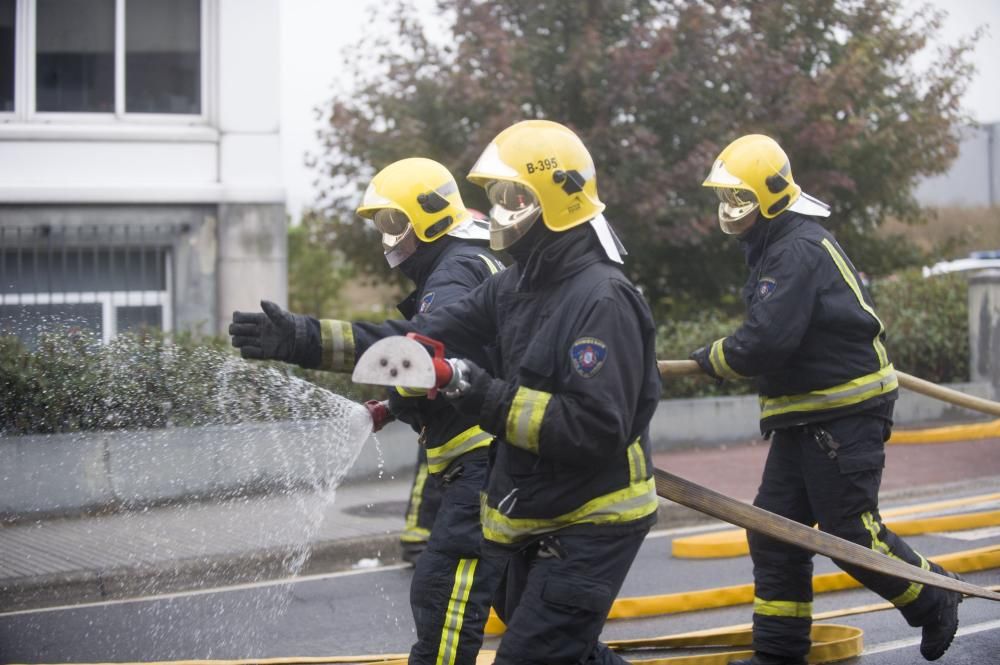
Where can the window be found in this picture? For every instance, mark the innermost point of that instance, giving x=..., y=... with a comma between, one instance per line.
x=162, y=56
x=75, y=55
x=8, y=14
x=112, y=58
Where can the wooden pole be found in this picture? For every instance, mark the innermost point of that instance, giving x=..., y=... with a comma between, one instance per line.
x=670, y=368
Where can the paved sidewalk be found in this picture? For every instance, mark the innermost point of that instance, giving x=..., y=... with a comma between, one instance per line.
x=170, y=548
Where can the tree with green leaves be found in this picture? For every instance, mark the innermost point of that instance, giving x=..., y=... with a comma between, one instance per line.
x=656, y=88
x=317, y=270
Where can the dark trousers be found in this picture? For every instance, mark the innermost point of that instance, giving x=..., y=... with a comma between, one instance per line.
x=556, y=594
x=452, y=585
x=833, y=481
x=423, y=504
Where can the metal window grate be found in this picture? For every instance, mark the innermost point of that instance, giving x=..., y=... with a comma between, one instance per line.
x=107, y=278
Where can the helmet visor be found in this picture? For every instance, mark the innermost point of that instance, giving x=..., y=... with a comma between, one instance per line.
x=736, y=209
x=514, y=209
x=398, y=238
x=391, y=222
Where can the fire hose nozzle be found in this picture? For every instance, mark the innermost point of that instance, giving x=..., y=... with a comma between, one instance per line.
x=379, y=411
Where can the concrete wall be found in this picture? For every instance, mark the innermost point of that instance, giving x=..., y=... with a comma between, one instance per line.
x=64, y=474
x=253, y=259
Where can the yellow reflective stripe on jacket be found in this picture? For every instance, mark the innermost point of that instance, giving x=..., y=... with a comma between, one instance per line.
x=636, y=462
x=782, y=608
x=411, y=392
x=874, y=527
x=337, y=340
x=455, y=615
x=717, y=357
x=852, y=392
x=439, y=457
x=626, y=505
x=852, y=282
x=489, y=264
x=414, y=533
x=524, y=420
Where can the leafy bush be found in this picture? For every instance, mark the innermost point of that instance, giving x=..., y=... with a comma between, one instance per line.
x=72, y=382
x=675, y=340
x=928, y=324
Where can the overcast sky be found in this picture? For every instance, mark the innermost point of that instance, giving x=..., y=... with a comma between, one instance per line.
x=313, y=33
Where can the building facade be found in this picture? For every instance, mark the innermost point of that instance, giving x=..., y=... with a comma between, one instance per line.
x=973, y=179
x=140, y=179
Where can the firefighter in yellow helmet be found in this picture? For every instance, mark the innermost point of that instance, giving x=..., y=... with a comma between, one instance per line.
x=815, y=346
x=568, y=393
x=432, y=238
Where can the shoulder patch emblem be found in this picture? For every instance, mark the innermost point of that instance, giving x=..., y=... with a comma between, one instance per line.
x=765, y=287
x=588, y=355
x=425, y=303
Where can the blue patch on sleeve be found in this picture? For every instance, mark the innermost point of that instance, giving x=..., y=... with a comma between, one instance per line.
x=425, y=302
x=588, y=355
x=765, y=287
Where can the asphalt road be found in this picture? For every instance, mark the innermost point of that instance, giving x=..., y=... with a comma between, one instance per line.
x=367, y=611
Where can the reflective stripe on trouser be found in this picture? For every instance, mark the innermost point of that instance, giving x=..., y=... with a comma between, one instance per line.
x=631, y=503
x=450, y=599
x=439, y=457
x=422, y=508
x=452, y=586
x=802, y=483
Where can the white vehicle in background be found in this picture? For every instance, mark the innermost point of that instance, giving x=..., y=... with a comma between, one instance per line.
x=975, y=261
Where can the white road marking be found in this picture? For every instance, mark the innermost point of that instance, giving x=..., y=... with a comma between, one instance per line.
x=204, y=592
x=971, y=534
x=915, y=641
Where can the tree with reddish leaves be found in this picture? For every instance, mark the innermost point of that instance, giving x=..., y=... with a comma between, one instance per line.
x=655, y=89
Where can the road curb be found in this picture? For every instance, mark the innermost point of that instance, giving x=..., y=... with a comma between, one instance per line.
x=18, y=594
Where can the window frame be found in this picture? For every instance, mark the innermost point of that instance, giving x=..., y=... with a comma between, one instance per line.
x=25, y=110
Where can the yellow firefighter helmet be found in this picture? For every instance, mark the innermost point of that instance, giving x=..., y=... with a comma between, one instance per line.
x=536, y=168
x=752, y=173
x=416, y=199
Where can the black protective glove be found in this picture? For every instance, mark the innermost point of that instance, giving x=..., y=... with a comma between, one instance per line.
x=273, y=334
x=700, y=356
x=406, y=409
x=468, y=387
